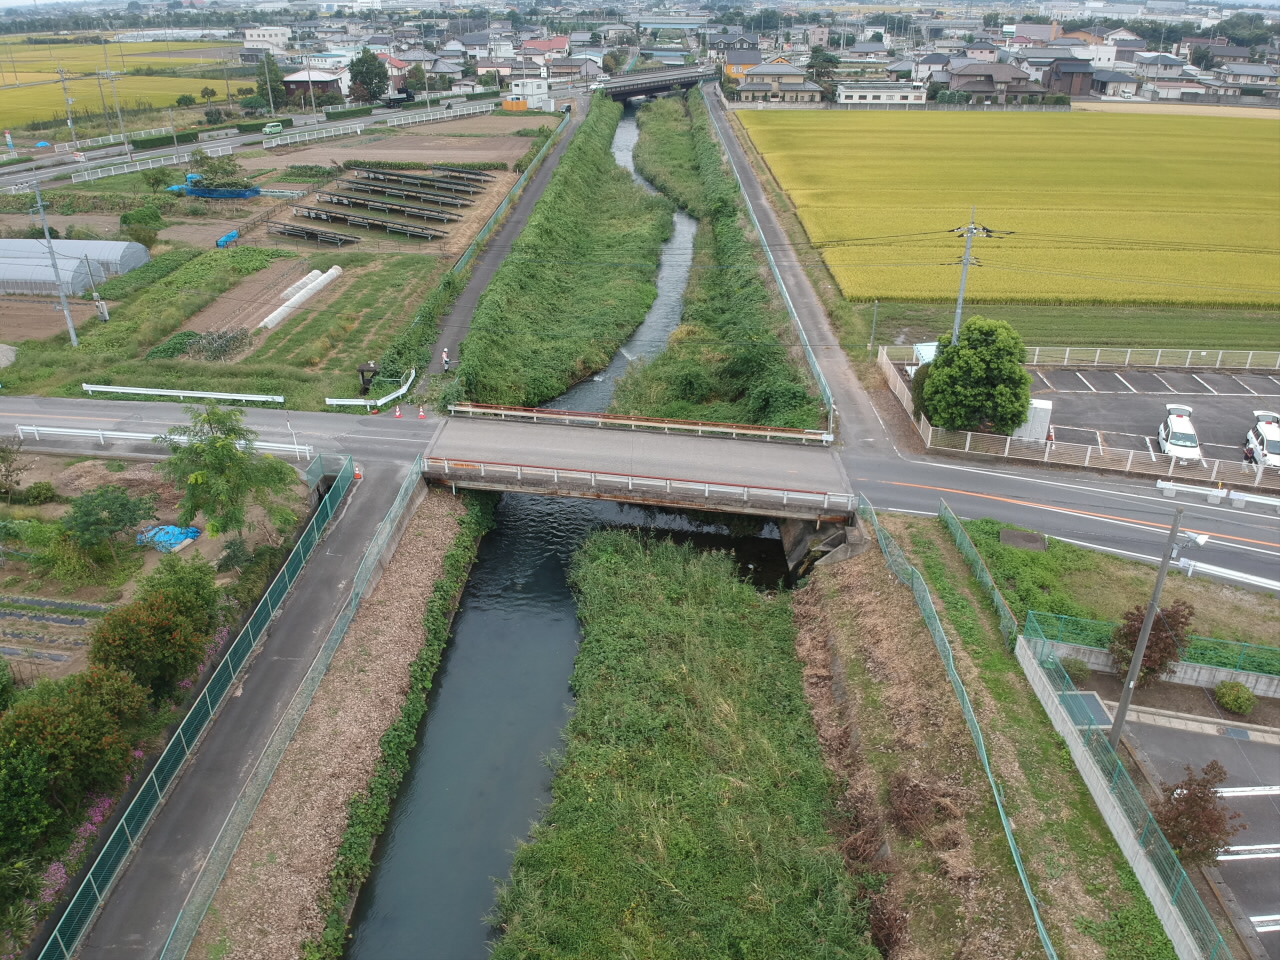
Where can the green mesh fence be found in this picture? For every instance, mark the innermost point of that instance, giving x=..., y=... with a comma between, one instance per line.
x=978, y=567
x=908, y=574
x=97, y=884
x=1205, y=651
x=1112, y=773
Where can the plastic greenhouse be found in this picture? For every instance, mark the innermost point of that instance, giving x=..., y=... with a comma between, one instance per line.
x=25, y=267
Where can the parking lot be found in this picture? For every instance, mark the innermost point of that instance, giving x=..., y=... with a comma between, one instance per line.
x=1122, y=407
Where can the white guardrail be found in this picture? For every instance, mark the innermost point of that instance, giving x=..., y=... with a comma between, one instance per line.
x=107, y=141
x=98, y=173
x=460, y=471
x=346, y=130
x=440, y=115
x=300, y=451
x=90, y=388
x=381, y=401
x=699, y=428
x=1130, y=357
x=1238, y=498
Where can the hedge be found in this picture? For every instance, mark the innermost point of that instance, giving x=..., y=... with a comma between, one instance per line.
x=353, y=112
x=168, y=140
x=255, y=126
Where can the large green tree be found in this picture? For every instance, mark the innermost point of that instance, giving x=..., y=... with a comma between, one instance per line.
x=271, y=82
x=151, y=640
x=213, y=464
x=822, y=64
x=371, y=73
x=980, y=382
x=102, y=515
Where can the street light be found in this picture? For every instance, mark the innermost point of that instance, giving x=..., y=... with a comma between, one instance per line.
x=1175, y=543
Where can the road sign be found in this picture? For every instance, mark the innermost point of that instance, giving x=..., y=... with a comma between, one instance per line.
x=8, y=140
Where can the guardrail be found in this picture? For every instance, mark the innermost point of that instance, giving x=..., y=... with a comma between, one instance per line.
x=597, y=483
x=1138, y=462
x=405, y=383
x=97, y=884
x=134, y=166
x=346, y=130
x=700, y=428
x=1238, y=498
x=182, y=394
x=1179, y=358
x=107, y=141
x=438, y=116
x=300, y=451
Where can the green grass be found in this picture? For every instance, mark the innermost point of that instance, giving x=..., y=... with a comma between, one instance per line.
x=127, y=284
x=577, y=282
x=690, y=810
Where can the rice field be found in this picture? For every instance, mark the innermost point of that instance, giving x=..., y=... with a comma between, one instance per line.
x=20, y=106
x=18, y=57
x=1085, y=208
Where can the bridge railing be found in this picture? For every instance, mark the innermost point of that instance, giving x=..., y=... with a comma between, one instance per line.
x=603, y=484
x=701, y=428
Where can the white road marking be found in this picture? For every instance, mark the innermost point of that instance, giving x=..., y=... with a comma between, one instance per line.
x=1243, y=384
x=1147, y=440
x=1266, y=924
x=1086, y=382
x=1248, y=791
x=1164, y=381
x=1045, y=379
x=1206, y=386
x=1127, y=384
x=1252, y=851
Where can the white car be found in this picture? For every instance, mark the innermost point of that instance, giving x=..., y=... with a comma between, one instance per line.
x=1177, y=436
x=1263, y=438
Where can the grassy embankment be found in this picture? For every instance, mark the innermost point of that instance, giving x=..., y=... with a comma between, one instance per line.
x=726, y=361
x=1085, y=324
x=577, y=282
x=690, y=810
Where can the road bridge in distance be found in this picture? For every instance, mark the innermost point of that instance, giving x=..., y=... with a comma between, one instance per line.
x=652, y=82
x=654, y=469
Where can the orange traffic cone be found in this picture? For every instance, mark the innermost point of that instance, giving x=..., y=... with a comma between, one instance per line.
x=359, y=475
x=422, y=414
x=399, y=416
x=375, y=411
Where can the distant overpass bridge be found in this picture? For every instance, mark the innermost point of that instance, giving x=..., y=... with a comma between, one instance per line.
x=673, y=23
x=650, y=82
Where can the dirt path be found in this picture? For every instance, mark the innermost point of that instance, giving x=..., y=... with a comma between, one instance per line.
x=268, y=901
x=245, y=305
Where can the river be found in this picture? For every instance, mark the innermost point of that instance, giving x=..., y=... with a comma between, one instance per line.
x=480, y=774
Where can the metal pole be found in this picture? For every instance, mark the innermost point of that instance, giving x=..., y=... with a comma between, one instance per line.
x=53, y=262
x=128, y=147
x=62, y=75
x=875, y=314
x=1131, y=680
x=969, y=232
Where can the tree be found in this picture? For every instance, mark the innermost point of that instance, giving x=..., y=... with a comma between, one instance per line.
x=213, y=464
x=270, y=81
x=152, y=641
x=1203, y=57
x=822, y=64
x=371, y=73
x=207, y=94
x=979, y=383
x=358, y=93
x=1193, y=817
x=213, y=116
x=191, y=583
x=101, y=515
x=12, y=464
x=157, y=178
x=1165, y=644
x=186, y=100
x=243, y=92
x=417, y=78
x=877, y=37
x=254, y=103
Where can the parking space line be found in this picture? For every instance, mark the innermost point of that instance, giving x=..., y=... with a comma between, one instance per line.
x=1247, y=791
x=1274, y=380
x=1243, y=384
x=1126, y=383
x=1045, y=380
x=1252, y=851
x=1267, y=924
x=1164, y=381
x=1086, y=382
x=1147, y=441
x=1206, y=386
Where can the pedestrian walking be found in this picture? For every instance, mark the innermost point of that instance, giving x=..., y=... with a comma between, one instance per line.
x=1250, y=457
x=444, y=358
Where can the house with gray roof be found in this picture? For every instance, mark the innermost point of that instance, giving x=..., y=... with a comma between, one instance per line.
x=778, y=83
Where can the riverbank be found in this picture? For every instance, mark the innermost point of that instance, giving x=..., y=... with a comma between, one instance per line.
x=691, y=807
x=268, y=904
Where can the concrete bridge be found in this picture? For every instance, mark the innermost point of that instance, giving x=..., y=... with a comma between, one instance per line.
x=650, y=82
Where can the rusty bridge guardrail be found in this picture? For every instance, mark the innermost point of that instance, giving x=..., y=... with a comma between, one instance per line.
x=1176, y=358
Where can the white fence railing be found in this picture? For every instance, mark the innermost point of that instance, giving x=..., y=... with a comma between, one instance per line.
x=365, y=402
x=1131, y=357
x=623, y=486
x=300, y=451
x=1140, y=462
x=108, y=140
x=346, y=130
x=98, y=173
x=438, y=116
x=91, y=388
x=1237, y=498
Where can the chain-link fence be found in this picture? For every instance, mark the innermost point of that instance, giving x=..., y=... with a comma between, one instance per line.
x=1205, y=651
x=1177, y=903
x=224, y=847
x=978, y=567
x=97, y=883
x=908, y=574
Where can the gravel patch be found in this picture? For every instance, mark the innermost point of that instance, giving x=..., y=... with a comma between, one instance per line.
x=267, y=904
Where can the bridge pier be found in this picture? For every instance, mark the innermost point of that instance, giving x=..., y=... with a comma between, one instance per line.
x=810, y=543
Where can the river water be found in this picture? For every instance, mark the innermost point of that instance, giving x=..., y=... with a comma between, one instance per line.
x=479, y=775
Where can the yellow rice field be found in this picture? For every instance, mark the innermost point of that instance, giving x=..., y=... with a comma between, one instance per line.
x=1090, y=207
x=89, y=57
x=22, y=105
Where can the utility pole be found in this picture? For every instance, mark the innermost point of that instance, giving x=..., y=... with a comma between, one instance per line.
x=970, y=231
x=53, y=262
x=1140, y=650
x=128, y=147
x=62, y=75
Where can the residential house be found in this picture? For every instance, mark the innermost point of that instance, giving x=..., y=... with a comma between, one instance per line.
x=580, y=38
x=869, y=50
x=397, y=71
x=1039, y=32
x=738, y=62
x=1158, y=66
x=273, y=40
x=1086, y=37
x=1110, y=83
x=333, y=61
x=816, y=36
x=778, y=83
x=1248, y=74
x=1126, y=50
x=468, y=86
x=1172, y=89
x=1072, y=77
x=902, y=70
x=993, y=82
x=882, y=92
x=573, y=67
x=1120, y=34
x=308, y=81
x=1222, y=53
x=718, y=46
x=982, y=50
x=927, y=65
x=550, y=49
x=380, y=43
x=1187, y=45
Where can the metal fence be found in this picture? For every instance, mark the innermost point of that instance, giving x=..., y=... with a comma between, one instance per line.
x=187, y=924
x=1177, y=358
x=823, y=387
x=89, y=388
x=346, y=130
x=108, y=140
x=1139, y=462
x=1206, y=651
x=439, y=116
x=98, y=172
x=978, y=567
x=124, y=838
x=1173, y=896
x=909, y=575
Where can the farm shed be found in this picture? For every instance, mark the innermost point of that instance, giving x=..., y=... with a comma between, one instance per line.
x=25, y=267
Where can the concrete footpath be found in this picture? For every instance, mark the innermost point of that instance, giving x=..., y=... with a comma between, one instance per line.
x=146, y=900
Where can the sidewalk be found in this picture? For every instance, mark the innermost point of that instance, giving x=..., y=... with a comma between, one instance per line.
x=145, y=902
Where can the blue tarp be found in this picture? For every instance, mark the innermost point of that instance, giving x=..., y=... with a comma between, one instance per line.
x=166, y=538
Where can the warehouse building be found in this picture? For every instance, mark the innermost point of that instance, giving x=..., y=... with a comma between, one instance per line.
x=25, y=267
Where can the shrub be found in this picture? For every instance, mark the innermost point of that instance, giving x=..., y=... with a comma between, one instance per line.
x=190, y=583
x=165, y=140
x=38, y=493
x=347, y=114
x=1193, y=817
x=152, y=640
x=1165, y=644
x=1234, y=696
x=143, y=235
x=144, y=216
x=1076, y=669
x=7, y=687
